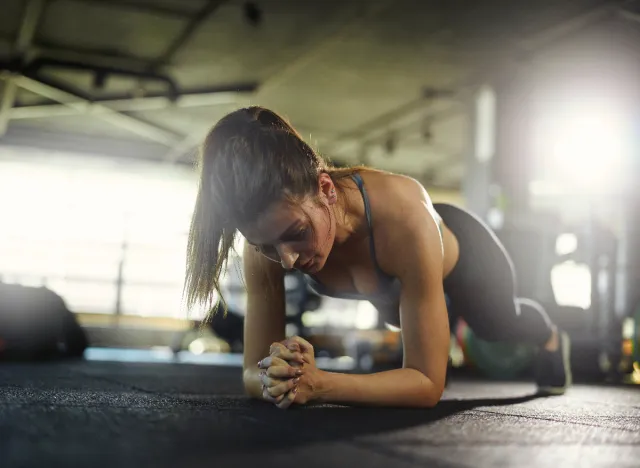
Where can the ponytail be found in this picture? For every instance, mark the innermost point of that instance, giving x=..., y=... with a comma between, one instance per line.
x=207, y=252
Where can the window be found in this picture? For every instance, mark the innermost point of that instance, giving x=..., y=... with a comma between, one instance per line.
x=70, y=223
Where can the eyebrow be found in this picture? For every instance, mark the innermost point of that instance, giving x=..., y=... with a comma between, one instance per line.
x=286, y=232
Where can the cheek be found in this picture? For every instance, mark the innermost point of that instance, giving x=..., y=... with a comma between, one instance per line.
x=323, y=232
x=324, y=238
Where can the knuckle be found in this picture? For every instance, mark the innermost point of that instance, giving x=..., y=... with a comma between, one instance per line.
x=284, y=403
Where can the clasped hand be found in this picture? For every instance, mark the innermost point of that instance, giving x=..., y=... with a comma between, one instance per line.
x=289, y=374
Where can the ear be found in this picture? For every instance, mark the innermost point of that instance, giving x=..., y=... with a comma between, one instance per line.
x=327, y=189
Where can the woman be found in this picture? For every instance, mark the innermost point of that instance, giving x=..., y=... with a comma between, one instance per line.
x=356, y=233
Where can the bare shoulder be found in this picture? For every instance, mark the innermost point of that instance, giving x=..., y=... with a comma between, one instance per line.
x=396, y=198
x=404, y=220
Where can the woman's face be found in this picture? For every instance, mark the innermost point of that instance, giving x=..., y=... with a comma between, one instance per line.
x=297, y=236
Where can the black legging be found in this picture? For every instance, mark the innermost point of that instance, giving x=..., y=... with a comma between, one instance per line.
x=482, y=286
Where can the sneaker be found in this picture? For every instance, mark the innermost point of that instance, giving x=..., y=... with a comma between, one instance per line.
x=553, y=368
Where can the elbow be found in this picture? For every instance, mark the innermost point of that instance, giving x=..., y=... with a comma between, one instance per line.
x=431, y=394
x=430, y=400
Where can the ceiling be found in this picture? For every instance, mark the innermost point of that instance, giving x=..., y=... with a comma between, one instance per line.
x=383, y=82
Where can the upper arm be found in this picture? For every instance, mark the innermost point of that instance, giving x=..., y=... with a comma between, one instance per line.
x=265, y=317
x=412, y=251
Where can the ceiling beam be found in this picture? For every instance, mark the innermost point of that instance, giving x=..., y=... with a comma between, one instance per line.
x=357, y=142
x=86, y=144
x=89, y=54
x=364, y=11
x=127, y=122
x=550, y=36
x=186, y=34
x=629, y=15
x=30, y=20
x=7, y=99
x=187, y=99
x=147, y=7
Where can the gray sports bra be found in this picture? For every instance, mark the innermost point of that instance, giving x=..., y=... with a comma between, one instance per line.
x=389, y=286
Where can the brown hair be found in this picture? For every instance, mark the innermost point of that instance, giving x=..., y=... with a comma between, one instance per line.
x=250, y=159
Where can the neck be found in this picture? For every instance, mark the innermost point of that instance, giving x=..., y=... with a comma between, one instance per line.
x=349, y=217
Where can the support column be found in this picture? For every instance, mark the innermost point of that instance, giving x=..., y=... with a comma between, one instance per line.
x=512, y=167
x=480, y=152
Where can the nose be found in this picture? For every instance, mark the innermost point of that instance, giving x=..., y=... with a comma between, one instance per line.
x=287, y=256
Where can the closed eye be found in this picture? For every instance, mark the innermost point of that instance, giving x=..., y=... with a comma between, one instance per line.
x=300, y=234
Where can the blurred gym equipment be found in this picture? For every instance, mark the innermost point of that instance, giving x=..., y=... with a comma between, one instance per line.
x=229, y=327
x=595, y=330
x=35, y=324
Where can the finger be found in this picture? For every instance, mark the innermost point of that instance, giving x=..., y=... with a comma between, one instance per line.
x=267, y=381
x=270, y=399
x=288, y=400
x=271, y=361
x=304, y=345
x=283, y=387
x=283, y=353
x=306, y=348
x=282, y=372
x=291, y=345
x=275, y=347
x=294, y=348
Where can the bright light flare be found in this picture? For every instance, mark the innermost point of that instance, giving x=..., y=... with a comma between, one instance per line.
x=585, y=146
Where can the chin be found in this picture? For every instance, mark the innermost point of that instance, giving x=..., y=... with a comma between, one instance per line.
x=320, y=262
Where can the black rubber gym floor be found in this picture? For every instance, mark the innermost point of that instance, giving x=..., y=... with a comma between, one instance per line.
x=109, y=414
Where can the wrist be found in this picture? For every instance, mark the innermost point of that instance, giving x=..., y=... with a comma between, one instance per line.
x=321, y=386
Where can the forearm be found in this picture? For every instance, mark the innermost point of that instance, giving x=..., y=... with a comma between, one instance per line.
x=398, y=387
